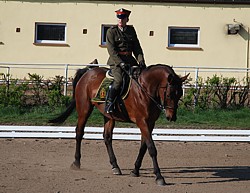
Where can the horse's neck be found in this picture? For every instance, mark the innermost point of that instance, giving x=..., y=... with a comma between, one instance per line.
x=152, y=80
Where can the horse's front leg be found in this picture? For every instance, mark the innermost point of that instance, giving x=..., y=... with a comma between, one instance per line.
x=107, y=135
x=138, y=162
x=148, y=143
x=153, y=153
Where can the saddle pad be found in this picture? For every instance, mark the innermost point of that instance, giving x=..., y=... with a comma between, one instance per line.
x=101, y=94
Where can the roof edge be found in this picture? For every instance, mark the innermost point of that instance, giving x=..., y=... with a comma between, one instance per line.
x=229, y=2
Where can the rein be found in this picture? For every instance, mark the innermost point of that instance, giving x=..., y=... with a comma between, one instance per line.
x=161, y=106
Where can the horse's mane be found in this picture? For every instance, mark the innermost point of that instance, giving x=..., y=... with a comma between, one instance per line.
x=170, y=69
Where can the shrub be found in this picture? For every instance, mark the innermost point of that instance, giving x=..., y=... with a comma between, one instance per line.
x=215, y=92
x=12, y=93
x=32, y=92
x=218, y=92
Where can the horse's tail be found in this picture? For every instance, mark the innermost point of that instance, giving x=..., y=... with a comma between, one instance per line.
x=79, y=73
x=61, y=118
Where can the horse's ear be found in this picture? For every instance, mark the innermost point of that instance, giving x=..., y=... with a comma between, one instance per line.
x=184, y=77
x=95, y=61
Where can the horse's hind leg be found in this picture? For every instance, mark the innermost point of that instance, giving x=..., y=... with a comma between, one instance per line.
x=83, y=115
x=107, y=135
x=138, y=162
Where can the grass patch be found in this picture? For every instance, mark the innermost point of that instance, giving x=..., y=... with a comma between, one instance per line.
x=237, y=118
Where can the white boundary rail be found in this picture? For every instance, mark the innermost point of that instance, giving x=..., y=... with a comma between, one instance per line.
x=198, y=135
x=63, y=69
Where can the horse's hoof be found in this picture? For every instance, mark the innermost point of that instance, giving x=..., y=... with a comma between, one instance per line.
x=161, y=182
x=75, y=166
x=134, y=174
x=116, y=171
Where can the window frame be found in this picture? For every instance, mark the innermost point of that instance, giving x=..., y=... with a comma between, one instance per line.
x=52, y=42
x=187, y=46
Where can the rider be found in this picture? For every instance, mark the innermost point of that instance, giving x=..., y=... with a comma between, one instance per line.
x=122, y=42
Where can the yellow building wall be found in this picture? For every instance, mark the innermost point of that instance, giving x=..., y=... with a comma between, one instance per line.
x=218, y=48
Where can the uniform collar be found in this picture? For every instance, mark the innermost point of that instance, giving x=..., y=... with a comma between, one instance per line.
x=122, y=28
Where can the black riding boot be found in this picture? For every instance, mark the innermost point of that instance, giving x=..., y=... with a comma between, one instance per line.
x=109, y=108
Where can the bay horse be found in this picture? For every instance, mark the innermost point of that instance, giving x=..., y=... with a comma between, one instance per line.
x=158, y=88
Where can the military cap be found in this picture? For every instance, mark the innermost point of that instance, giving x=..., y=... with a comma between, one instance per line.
x=122, y=13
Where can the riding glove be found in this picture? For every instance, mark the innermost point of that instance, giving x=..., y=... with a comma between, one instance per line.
x=124, y=66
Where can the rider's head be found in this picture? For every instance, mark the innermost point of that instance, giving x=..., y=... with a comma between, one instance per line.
x=122, y=16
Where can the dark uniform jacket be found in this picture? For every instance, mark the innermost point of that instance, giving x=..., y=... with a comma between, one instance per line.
x=121, y=45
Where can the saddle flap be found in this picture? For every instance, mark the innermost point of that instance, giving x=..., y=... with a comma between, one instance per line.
x=104, y=87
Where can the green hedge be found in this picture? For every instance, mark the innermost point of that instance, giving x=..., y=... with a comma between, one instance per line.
x=218, y=93
x=35, y=91
x=211, y=93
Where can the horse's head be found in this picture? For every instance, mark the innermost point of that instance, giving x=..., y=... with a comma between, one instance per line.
x=171, y=94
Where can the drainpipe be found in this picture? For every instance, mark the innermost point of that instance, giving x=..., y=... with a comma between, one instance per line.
x=247, y=73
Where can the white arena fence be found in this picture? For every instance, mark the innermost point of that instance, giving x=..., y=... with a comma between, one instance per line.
x=96, y=133
x=64, y=69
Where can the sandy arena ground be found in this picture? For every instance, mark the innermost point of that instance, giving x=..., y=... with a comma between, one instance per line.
x=43, y=166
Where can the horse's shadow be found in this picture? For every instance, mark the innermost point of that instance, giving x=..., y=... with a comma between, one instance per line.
x=202, y=175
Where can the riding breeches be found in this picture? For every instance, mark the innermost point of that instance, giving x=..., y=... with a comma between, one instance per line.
x=118, y=74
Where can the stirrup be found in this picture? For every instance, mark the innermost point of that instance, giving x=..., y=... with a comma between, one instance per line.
x=109, y=108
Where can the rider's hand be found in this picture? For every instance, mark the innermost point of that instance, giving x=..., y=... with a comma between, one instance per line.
x=142, y=64
x=124, y=66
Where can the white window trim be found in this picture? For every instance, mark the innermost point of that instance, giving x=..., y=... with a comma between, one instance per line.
x=184, y=45
x=51, y=41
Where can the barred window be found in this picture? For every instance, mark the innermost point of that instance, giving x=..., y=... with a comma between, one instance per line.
x=50, y=33
x=183, y=37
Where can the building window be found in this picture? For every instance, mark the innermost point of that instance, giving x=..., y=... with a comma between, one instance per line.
x=186, y=37
x=104, y=33
x=54, y=33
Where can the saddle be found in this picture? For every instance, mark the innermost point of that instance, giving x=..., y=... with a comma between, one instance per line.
x=103, y=89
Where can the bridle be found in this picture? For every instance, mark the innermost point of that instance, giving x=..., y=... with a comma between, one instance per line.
x=164, y=104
